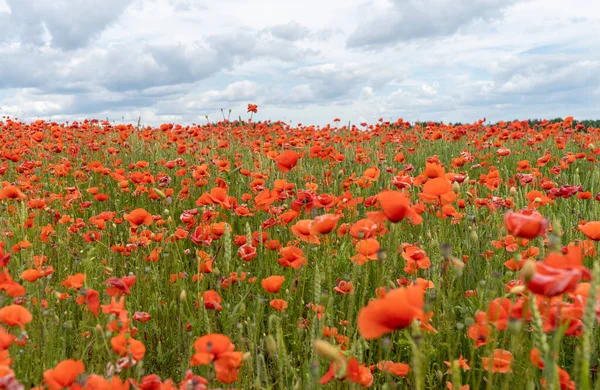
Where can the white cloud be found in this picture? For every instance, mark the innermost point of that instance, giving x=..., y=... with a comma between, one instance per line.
x=405, y=20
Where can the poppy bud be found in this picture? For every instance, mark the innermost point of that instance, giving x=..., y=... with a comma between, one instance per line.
x=513, y=191
x=271, y=345
x=160, y=193
x=457, y=263
x=557, y=227
x=439, y=375
x=99, y=329
x=474, y=235
x=514, y=325
x=518, y=290
x=246, y=356
x=327, y=350
x=591, y=146
x=528, y=270
x=455, y=187
x=182, y=296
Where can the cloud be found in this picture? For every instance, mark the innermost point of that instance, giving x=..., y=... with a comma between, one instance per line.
x=62, y=24
x=331, y=81
x=544, y=74
x=407, y=20
x=176, y=60
x=292, y=31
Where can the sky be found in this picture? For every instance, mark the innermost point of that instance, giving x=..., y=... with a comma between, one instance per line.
x=164, y=61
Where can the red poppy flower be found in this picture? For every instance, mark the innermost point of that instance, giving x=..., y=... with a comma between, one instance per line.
x=527, y=224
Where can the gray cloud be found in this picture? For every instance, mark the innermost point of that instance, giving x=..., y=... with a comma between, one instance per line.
x=331, y=81
x=406, y=20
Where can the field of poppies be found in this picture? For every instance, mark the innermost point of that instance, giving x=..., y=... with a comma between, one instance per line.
x=262, y=255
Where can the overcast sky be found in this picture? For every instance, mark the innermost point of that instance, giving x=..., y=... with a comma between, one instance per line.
x=303, y=61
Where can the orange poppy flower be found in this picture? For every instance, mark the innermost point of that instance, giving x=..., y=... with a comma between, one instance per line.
x=498, y=312
x=292, y=257
x=367, y=250
x=324, y=224
x=11, y=192
x=500, y=363
x=364, y=228
x=550, y=282
x=415, y=258
x=344, y=287
x=74, y=281
x=6, y=339
x=92, y=301
x=209, y=348
x=64, y=374
x=558, y=273
x=194, y=382
x=591, y=230
x=138, y=217
x=396, y=206
x=354, y=372
x=13, y=315
x=125, y=345
x=278, y=304
x=398, y=369
x=247, y=252
x=462, y=363
x=287, y=160
x=272, y=284
x=97, y=382
x=396, y=310
x=302, y=230
x=527, y=224
x=438, y=189
x=212, y=300
x=480, y=330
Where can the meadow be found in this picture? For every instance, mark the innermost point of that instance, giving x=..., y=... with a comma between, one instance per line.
x=264, y=255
